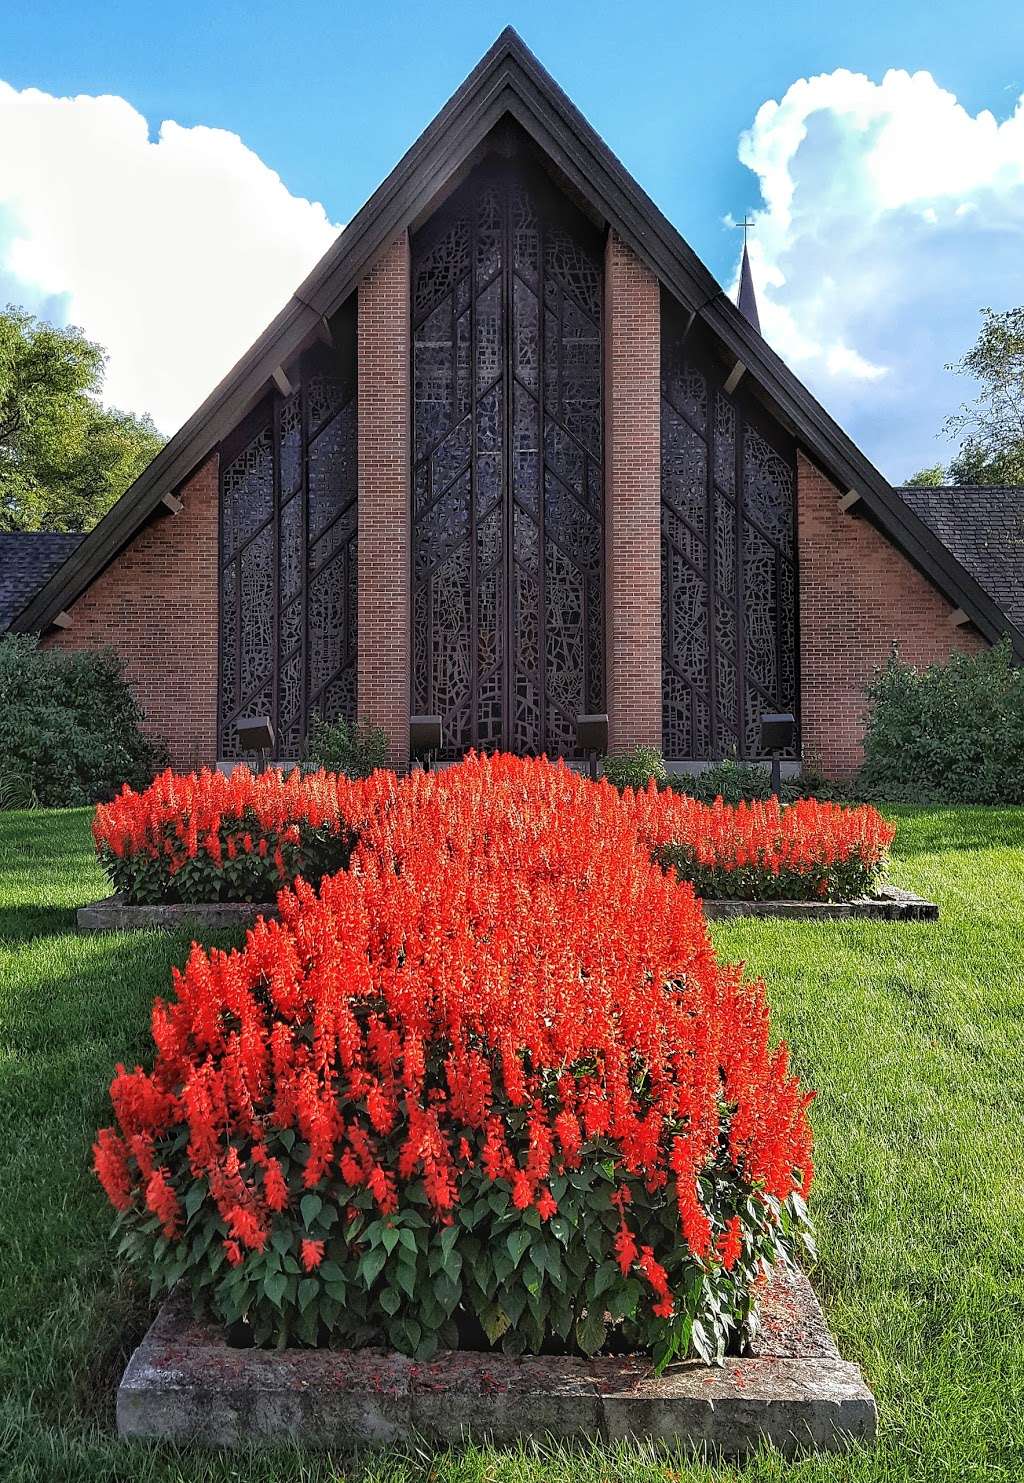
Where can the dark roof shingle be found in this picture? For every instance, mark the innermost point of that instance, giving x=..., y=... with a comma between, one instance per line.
x=27, y=560
x=983, y=526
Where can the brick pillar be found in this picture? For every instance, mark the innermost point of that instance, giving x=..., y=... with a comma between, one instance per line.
x=384, y=498
x=157, y=605
x=858, y=595
x=632, y=497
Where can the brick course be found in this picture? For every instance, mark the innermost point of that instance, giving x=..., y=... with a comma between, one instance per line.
x=157, y=605
x=632, y=497
x=384, y=501
x=858, y=595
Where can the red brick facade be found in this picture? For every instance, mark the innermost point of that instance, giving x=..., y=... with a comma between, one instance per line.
x=858, y=594
x=156, y=604
x=384, y=502
x=632, y=497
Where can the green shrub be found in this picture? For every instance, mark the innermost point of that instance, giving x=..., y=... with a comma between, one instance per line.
x=355, y=748
x=636, y=768
x=953, y=733
x=70, y=728
x=732, y=781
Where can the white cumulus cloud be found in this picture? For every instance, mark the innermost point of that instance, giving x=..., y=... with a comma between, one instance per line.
x=174, y=252
x=891, y=216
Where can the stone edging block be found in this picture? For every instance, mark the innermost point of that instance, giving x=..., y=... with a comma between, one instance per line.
x=888, y=904
x=184, y=1383
x=115, y=915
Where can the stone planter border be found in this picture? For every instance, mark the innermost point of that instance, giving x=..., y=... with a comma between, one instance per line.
x=184, y=1383
x=115, y=915
x=888, y=904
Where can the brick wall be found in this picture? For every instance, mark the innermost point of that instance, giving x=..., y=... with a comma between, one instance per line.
x=384, y=533
x=156, y=604
x=632, y=498
x=858, y=594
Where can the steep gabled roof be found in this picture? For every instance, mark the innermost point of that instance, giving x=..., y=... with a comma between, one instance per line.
x=509, y=81
x=983, y=526
x=27, y=559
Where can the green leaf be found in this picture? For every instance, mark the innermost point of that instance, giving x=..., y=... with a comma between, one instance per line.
x=405, y=1276
x=590, y=1331
x=494, y=1321
x=309, y=1288
x=310, y=1205
x=390, y=1300
x=517, y=1242
x=390, y=1239
x=606, y=1274
x=560, y=1229
x=371, y=1264
x=274, y=1287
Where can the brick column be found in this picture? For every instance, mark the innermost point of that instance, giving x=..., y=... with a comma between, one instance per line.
x=157, y=605
x=632, y=497
x=858, y=595
x=384, y=498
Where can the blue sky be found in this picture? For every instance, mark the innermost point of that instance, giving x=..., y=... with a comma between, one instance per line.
x=328, y=96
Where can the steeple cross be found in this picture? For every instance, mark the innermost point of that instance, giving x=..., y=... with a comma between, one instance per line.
x=746, y=225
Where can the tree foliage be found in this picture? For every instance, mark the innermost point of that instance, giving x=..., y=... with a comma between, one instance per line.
x=70, y=728
x=948, y=734
x=930, y=478
x=64, y=457
x=991, y=428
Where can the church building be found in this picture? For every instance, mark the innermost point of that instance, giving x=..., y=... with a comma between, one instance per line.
x=510, y=455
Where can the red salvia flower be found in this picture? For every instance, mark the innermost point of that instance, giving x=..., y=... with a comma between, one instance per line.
x=312, y=1254
x=502, y=976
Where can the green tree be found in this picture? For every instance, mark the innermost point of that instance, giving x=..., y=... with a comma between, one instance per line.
x=64, y=457
x=991, y=428
x=929, y=478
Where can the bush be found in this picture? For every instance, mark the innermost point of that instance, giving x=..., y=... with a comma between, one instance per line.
x=635, y=769
x=731, y=781
x=70, y=728
x=210, y=837
x=806, y=851
x=354, y=748
x=953, y=733
x=489, y=1085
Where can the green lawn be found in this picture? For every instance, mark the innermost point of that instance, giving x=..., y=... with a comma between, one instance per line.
x=912, y=1033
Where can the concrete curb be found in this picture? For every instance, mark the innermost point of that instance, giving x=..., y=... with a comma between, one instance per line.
x=184, y=1383
x=115, y=915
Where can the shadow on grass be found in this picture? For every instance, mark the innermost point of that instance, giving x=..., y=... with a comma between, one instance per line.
x=23, y=923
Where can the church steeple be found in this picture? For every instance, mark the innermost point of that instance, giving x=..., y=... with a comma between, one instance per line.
x=746, y=299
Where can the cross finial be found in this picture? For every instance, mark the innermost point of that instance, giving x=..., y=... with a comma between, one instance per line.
x=746, y=225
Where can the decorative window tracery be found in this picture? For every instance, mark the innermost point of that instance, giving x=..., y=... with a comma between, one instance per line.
x=288, y=490
x=729, y=627
x=507, y=613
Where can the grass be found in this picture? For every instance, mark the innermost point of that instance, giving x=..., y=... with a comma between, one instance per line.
x=913, y=1034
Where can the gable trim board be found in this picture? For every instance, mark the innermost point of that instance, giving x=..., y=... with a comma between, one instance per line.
x=509, y=81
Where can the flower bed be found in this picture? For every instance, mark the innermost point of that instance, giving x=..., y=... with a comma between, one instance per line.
x=804, y=851
x=489, y=1085
x=209, y=837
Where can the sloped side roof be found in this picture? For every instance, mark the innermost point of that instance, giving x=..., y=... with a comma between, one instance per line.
x=27, y=560
x=983, y=526
x=509, y=81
